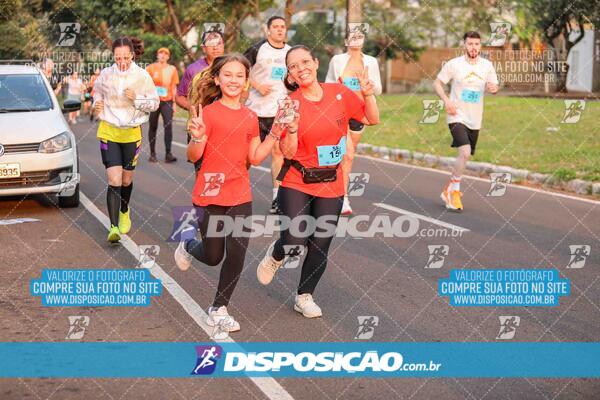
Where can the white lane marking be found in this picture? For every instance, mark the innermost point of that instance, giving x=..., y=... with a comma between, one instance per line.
x=269, y=386
x=476, y=178
x=260, y=168
x=422, y=217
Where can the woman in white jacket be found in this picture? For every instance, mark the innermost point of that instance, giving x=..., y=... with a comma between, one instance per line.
x=348, y=68
x=124, y=97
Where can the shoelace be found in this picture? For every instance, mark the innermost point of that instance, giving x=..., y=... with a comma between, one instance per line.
x=272, y=264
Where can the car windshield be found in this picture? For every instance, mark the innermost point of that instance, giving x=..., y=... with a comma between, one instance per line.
x=23, y=92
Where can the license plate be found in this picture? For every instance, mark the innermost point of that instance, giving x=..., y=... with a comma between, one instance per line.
x=10, y=170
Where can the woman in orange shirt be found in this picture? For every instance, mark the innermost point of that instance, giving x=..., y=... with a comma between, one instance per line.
x=312, y=185
x=224, y=135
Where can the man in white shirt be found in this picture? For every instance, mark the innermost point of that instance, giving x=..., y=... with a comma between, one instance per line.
x=267, y=58
x=471, y=76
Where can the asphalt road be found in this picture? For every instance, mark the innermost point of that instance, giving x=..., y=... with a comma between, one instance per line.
x=379, y=276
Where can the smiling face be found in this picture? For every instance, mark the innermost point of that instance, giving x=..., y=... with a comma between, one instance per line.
x=277, y=31
x=302, y=67
x=232, y=79
x=472, y=47
x=123, y=57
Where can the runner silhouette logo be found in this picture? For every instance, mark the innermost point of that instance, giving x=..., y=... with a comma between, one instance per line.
x=508, y=327
x=579, y=254
x=437, y=255
x=68, y=33
x=207, y=359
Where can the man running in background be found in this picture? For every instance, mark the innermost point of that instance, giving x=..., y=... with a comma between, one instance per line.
x=267, y=58
x=471, y=76
x=165, y=79
x=216, y=49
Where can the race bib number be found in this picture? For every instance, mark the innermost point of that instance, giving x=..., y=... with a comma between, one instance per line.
x=277, y=73
x=352, y=83
x=162, y=92
x=470, y=96
x=331, y=155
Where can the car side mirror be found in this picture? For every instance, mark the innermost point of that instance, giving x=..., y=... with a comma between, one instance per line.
x=71, y=106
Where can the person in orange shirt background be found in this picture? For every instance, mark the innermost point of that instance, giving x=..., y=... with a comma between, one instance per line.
x=165, y=78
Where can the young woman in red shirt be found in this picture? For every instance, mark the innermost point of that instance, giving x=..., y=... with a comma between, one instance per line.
x=224, y=136
x=312, y=183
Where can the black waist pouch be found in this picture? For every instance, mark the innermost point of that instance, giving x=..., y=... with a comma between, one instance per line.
x=319, y=175
x=309, y=175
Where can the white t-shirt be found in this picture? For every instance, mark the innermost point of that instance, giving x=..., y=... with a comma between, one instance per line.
x=74, y=86
x=467, y=88
x=268, y=66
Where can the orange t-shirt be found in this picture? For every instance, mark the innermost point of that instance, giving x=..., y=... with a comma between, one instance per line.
x=223, y=178
x=165, y=79
x=322, y=123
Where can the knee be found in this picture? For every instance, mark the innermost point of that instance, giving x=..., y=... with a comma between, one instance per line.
x=126, y=180
x=115, y=181
x=465, y=153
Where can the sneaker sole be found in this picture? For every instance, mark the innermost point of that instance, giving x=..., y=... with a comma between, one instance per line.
x=298, y=309
x=183, y=266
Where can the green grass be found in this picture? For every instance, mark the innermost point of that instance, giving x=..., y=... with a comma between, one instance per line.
x=514, y=134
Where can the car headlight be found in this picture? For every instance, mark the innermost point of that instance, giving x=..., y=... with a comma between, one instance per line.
x=58, y=143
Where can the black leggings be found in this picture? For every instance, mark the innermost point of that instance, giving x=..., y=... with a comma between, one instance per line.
x=294, y=203
x=211, y=250
x=166, y=110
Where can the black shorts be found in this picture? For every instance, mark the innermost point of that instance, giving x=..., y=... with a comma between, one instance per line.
x=120, y=154
x=461, y=135
x=356, y=126
x=264, y=126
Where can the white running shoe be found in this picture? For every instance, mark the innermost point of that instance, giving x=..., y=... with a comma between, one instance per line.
x=220, y=317
x=307, y=306
x=183, y=259
x=268, y=267
x=346, y=209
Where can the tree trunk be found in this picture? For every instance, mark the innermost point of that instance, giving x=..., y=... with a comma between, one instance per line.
x=177, y=28
x=289, y=11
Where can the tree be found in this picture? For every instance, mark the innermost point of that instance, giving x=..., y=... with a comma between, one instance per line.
x=558, y=20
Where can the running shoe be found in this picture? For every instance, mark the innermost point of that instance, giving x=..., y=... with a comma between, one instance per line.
x=268, y=267
x=152, y=158
x=305, y=305
x=183, y=259
x=220, y=317
x=124, y=222
x=346, y=209
x=170, y=158
x=113, y=234
x=452, y=199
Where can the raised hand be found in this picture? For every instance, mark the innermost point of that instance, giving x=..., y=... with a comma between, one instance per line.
x=367, y=86
x=196, y=126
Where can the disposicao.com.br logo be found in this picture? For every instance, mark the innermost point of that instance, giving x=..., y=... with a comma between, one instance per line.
x=313, y=363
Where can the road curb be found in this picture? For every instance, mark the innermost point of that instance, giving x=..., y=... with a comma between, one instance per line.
x=481, y=169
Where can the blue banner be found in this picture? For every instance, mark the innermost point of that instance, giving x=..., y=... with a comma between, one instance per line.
x=317, y=360
x=504, y=287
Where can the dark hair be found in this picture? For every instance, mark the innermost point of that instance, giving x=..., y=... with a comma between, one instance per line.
x=135, y=45
x=206, y=92
x=274, y=18
x=206, y=34
x=471, y=35
x=293, y=86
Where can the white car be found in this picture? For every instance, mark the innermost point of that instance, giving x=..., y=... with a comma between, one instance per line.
x=38, y=152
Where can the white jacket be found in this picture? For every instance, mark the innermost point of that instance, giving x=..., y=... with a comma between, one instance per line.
x=338, y=64
x=118, y=109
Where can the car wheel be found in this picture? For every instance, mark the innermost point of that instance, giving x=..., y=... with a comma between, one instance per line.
x=69, y=201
